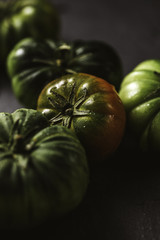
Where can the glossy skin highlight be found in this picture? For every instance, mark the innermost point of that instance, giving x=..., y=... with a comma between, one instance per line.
x=140, y=94
x=32, y=64
x=28, y=18
x=43, y=170
x=94, y=112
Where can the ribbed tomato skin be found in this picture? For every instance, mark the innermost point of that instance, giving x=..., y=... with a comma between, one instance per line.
x=98, y=116
x=43, y=170
x=140, y=94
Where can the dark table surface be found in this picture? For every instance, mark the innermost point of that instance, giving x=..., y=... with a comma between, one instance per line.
x=123, y=198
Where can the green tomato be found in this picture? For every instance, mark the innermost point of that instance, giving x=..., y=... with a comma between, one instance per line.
x=140, y=94
x=90, y=107
x=32, y=64
x=43, y=170
x=24, y=18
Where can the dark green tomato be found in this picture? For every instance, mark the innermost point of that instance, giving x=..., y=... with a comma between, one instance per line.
x=140, y=94
x=24, y=18
x=32, y=64
x=43, y=170
x=89, y=106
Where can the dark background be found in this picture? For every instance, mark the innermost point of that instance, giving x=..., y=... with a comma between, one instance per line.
x=131, y=27
x=123, y=199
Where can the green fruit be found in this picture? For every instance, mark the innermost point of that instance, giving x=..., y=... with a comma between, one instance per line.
x=26, y=18
x=32, y=64
x=43, y=170
x=140, y=94
x=89, y=106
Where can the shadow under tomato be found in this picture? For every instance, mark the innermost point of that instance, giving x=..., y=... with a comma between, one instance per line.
x=119, y=190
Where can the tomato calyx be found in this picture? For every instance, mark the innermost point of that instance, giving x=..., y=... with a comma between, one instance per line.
x=63, y=58
x=68, y=109
x=15, y=143
x=18, y=142
x=60, y=60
